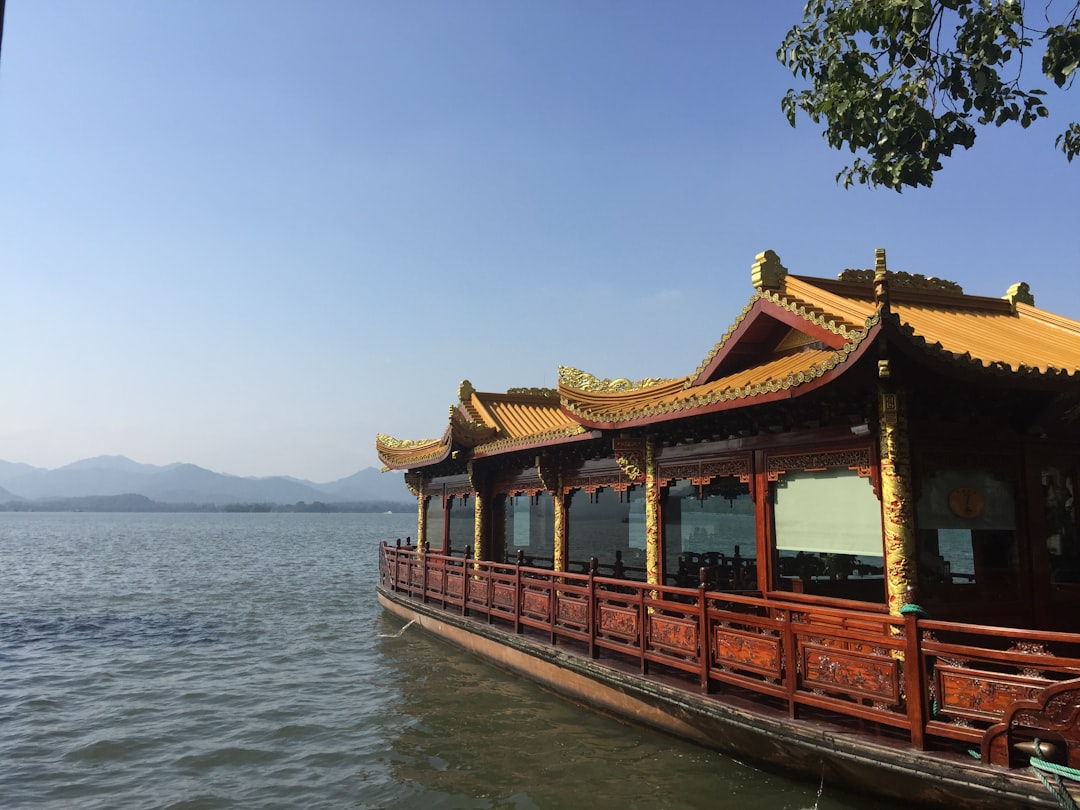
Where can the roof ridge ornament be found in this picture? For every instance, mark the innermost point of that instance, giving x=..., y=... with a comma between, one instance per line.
x=1019, y=293
x=465, y=391
x=584, y=381
x=881, y=278
x=767, y=273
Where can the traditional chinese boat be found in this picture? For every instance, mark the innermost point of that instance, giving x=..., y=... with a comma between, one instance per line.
x=846, y=544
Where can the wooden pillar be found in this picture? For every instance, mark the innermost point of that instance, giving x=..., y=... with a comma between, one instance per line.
x=897, y=507
x=559, y=552
x=652, y=516
x=415, y=485
x=480, y=544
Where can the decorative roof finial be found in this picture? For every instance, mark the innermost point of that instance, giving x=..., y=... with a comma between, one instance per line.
x=767, y=273
x=1019, y=293
x=881, y=277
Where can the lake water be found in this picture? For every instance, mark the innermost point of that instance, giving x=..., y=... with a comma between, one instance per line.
x=242, y=661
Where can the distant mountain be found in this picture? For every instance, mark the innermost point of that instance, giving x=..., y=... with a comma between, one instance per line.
x=370, y=485
x=189, y=484
x=8, y=470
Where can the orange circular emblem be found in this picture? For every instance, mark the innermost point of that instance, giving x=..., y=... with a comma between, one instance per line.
x=966, y=502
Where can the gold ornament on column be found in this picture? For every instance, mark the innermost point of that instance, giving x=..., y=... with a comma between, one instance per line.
x=652, y=516
x=896, y=498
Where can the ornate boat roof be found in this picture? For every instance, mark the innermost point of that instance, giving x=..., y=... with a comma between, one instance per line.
x=795, y=334
x=488, y=424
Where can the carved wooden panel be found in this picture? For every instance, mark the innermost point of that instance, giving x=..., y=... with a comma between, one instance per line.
x=619, y=622
x=478, y=592
x=701, y=473
x=854, y=673
x=435, y=580
x=747, y=651
x=536, y=605
x=674, y=634
x=504, y=596
x=855, y=458
x=455, y=585
x=572, y=611
x=978, y=695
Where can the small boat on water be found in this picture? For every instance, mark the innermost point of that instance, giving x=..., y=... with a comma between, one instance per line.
x=846, y=545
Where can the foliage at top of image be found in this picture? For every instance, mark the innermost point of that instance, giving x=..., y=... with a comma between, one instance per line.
x=902, y=83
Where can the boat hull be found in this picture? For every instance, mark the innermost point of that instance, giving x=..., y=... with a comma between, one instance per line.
x=801, y=747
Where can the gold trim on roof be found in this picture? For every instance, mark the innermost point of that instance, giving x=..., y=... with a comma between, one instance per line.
x=502, y=445
x=720, y=344
x=533, y=392
x=899, y=278
x=583, y=381
x=399, y=454
x=717, y=392
x=805, y=311
x=390, y=443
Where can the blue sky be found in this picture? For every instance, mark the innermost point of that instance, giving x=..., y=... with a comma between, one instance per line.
x=251, y=235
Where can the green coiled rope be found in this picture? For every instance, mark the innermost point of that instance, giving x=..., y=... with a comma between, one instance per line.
x=1042, y=767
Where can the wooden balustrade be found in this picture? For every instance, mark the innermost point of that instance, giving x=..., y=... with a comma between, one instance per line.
x=934, y=680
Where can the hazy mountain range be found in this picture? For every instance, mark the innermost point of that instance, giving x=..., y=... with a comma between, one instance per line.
x=188, y=484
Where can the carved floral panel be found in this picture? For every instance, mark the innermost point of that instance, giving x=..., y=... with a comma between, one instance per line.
x=981, y=695
x=747, y=651
x=674, y=634
x=854, y=673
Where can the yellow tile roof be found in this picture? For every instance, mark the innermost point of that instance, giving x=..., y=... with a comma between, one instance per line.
x=673, y=400
x=487, y=423
x=1029, y=339
x=838, y=320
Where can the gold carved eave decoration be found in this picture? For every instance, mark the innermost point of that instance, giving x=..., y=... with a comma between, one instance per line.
x=583, y=381
x=777, y=375
x=898, y=278
x=399, y=454
x=512, y=443
x=630, y=456
x=414, y=482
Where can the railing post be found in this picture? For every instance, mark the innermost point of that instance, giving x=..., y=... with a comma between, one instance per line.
x=590, y=607
x=518, y=593
x=643, y=631
x=424, y=573
x=704, y=646
x=465, y=577
x=489, y=576
x=791, y=667
x=915, y=674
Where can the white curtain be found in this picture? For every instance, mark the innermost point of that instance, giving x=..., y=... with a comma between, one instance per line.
x=827, y=512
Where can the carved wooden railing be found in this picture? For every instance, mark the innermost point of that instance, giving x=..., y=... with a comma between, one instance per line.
x=937, y=682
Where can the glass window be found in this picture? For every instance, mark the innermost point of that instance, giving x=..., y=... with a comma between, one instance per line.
x=530, y=525
x=436, y=519
x=713, y=527
x=462, y=522
x=1059, y=520
x=605, y=527
x=827, y=527
x=967, y=535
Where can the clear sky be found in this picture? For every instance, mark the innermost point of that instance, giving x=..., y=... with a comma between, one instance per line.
x=251, y=234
